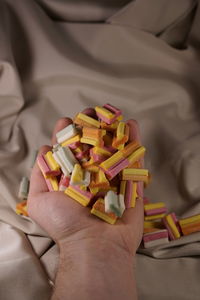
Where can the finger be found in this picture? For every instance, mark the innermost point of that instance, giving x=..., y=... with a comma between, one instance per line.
x=90, y=112
x=134, y=215
x=134, y=131
x=134, y=134
x=61, y=123
x=37, y=181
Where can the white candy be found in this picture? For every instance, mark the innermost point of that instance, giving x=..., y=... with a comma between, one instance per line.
x=157, y=242
x=65, y=158
x=114, y=203
x=110, y=199
x=23, y=188
x=86, y=180
x=121, y=204
x=61, y=163
x=66, y=133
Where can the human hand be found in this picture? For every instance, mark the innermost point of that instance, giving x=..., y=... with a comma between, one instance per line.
x=66, y=221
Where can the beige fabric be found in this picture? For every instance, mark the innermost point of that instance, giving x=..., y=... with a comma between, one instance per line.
x=50, y=67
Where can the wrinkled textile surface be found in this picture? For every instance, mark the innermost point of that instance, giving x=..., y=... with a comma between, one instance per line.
x=58, y=57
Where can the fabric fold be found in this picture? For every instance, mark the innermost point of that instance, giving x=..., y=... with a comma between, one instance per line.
x=169, y=20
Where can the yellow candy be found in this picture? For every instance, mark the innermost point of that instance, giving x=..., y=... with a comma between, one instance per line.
x=104, y=112
x=111, y=160
x=154, y=205
x=84, y=120
x=21, y=208
x=134, y=195
x=93, y=190
x=173, y=227
x=77, y=174
x=189, y=220
x=54, y=183
x=98, y=210
x=123, y=187
x=83, y=200
x=135, y=174
x=151, y=224
x=74, y=139
x=94, y=142
x=154, y=217
x=136, y=155
x=121, y=130
x=51, y=161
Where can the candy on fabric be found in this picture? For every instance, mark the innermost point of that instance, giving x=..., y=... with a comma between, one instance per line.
x=155, y=238
x=154, y=208
x=154, y=217
x=21, y=208
x=98, y=210
x=152, y=226
x=171, y=223
x=190, y=225
x=95, y=164
x=23, y=188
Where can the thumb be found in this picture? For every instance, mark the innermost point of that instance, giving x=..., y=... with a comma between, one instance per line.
x=37, y=181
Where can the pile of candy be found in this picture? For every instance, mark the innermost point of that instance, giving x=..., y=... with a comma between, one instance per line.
x=160, y=227
x=95, y=163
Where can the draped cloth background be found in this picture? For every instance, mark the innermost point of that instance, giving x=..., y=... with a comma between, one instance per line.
x=58, y=57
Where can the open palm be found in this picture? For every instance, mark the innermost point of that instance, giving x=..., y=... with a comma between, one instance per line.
x=65, y=220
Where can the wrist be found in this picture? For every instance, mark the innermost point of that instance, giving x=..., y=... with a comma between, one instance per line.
x=92, y=265
x=92, y=249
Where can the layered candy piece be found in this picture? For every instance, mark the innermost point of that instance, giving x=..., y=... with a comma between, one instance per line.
x=108, y=113
x=152, y=226
x=155, y=238
x=93, y=136
x=114, y=203
x=86, y=121
x=171, y=223
x=23, y=188
x=80, y=195
x=48, y=165
x=21, y=208
x=98, y=210
x=121, y=136
x=67, y=133
x=190, y=225
x=154, y=211
x=122, y=159
x=129, y=190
